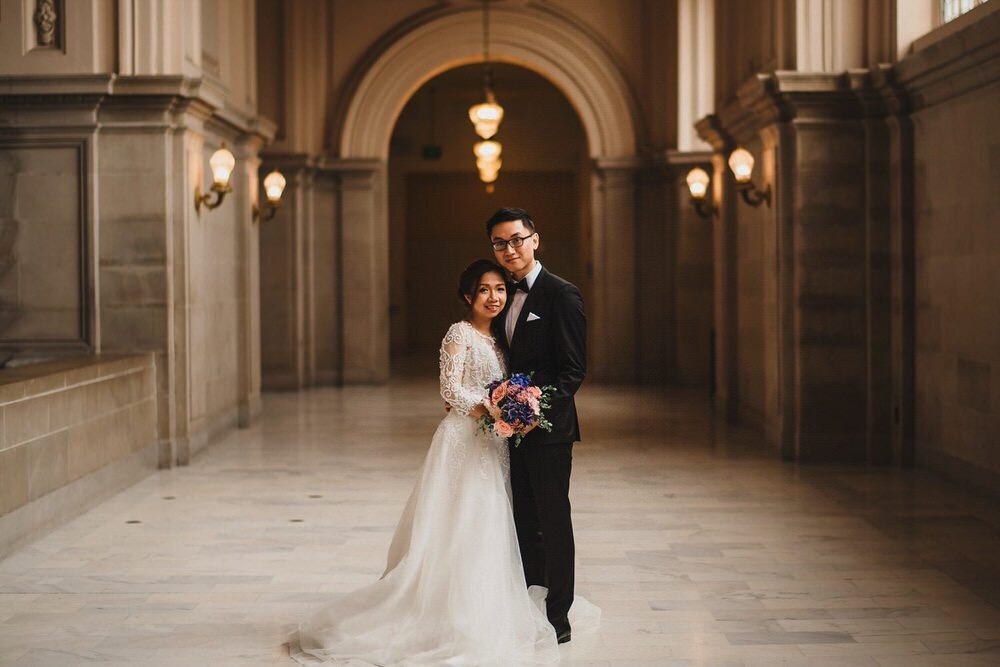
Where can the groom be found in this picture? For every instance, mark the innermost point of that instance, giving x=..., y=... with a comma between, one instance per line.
x=542, y=331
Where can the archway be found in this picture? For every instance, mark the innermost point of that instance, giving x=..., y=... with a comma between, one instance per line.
x=576, y=63
x=437, y=204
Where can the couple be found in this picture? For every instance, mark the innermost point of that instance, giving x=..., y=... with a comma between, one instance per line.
x=453, y=591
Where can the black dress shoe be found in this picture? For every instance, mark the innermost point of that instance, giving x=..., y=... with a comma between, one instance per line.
x=563, y=632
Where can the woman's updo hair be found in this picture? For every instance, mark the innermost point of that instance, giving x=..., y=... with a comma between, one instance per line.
x=470, y=278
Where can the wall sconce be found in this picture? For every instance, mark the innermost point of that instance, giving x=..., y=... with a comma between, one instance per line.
x=274, y=185
x=741, y=164
x=222, y=163
x=697, y=181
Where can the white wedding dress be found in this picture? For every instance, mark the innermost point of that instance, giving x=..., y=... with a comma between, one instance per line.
x=453, y=590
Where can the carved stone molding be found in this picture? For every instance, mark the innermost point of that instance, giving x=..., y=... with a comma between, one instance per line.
x=135, y=99
x=47, y=18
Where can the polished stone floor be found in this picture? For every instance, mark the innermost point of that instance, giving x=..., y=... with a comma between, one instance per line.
x=701, y=548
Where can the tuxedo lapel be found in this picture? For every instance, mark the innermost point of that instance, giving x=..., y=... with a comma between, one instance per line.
x=534, y=297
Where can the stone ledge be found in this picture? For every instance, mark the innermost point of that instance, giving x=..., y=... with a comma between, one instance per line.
x=24, y=382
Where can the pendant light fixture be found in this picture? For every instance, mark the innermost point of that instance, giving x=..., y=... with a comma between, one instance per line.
x=486, y=116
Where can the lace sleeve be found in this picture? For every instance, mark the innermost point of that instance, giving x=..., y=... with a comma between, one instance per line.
x=454, y=354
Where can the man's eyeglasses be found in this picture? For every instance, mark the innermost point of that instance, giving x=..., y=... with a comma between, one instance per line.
x=513, y=242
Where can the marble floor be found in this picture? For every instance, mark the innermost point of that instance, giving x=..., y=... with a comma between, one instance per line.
x=701, y=548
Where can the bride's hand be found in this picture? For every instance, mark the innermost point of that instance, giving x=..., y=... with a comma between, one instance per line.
x=477, y=411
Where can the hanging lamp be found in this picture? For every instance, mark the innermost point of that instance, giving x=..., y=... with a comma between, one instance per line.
x=486, y=116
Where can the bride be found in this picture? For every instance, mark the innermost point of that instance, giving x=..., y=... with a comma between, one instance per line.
x=453, y=591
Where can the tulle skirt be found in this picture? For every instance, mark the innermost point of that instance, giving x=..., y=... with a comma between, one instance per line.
x=453, y=591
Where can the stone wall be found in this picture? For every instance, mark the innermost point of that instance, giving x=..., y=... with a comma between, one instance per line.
x=73, y=433
x=854, y=318
x=954, y=84
x=43, y=236
x=103, y=143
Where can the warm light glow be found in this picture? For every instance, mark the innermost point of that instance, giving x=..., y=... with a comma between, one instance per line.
x=222, y=163
x=741, y=162
x=486, y=116
x=697, y=180
x=274, y=185
x=488, y=160
x=488, y=171
x=487, y=150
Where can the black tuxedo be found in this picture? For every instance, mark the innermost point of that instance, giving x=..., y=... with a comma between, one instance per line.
x=552, y=346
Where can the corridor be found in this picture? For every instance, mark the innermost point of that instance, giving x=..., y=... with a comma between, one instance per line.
x=700, y=547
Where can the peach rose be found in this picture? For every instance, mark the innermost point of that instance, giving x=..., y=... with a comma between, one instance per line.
x=503, y=429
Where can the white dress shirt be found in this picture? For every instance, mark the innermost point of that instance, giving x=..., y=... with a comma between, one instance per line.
x=517, y=302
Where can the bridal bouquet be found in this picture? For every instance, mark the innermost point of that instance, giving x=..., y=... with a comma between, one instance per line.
x=514, y=405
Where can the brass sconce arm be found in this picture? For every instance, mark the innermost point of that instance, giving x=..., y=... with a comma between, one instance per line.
x=752, y=196
x=704, y=208
x=206, y=199
x=267, y=214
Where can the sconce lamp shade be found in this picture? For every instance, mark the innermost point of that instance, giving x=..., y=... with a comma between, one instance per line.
x=274, y=185
x=697, y=180
x=222, y=163
x=741, y=162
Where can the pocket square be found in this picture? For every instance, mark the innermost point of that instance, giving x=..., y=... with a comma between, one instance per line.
x=532, y=317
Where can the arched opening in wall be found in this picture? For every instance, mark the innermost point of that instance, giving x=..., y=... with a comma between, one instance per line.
x=437, y=206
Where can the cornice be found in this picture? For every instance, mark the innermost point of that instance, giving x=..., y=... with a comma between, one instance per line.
x=682, y=159
x=151, y=96
x=959, y=63
x=289, y=161
x=711, y=130
x=632, y=163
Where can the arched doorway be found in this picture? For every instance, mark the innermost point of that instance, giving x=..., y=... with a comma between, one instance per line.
x=576, y=63
x=437, y=204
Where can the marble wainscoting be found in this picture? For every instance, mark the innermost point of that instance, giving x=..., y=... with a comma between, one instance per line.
x=73, y=432
x=700, y=547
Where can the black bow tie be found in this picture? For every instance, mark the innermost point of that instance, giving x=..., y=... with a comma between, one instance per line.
x=521, y=285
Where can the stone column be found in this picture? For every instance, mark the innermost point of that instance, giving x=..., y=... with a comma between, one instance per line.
x=613, y=316
x=695, y=69
x=248, y=165
x=363, y=240
x=693, y=363
x=830, y=252
x=899, y=200
x=283, y=271
x=724, y=252
x=831, y=35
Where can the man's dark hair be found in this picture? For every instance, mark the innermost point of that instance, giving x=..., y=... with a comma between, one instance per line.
x=507, y=215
